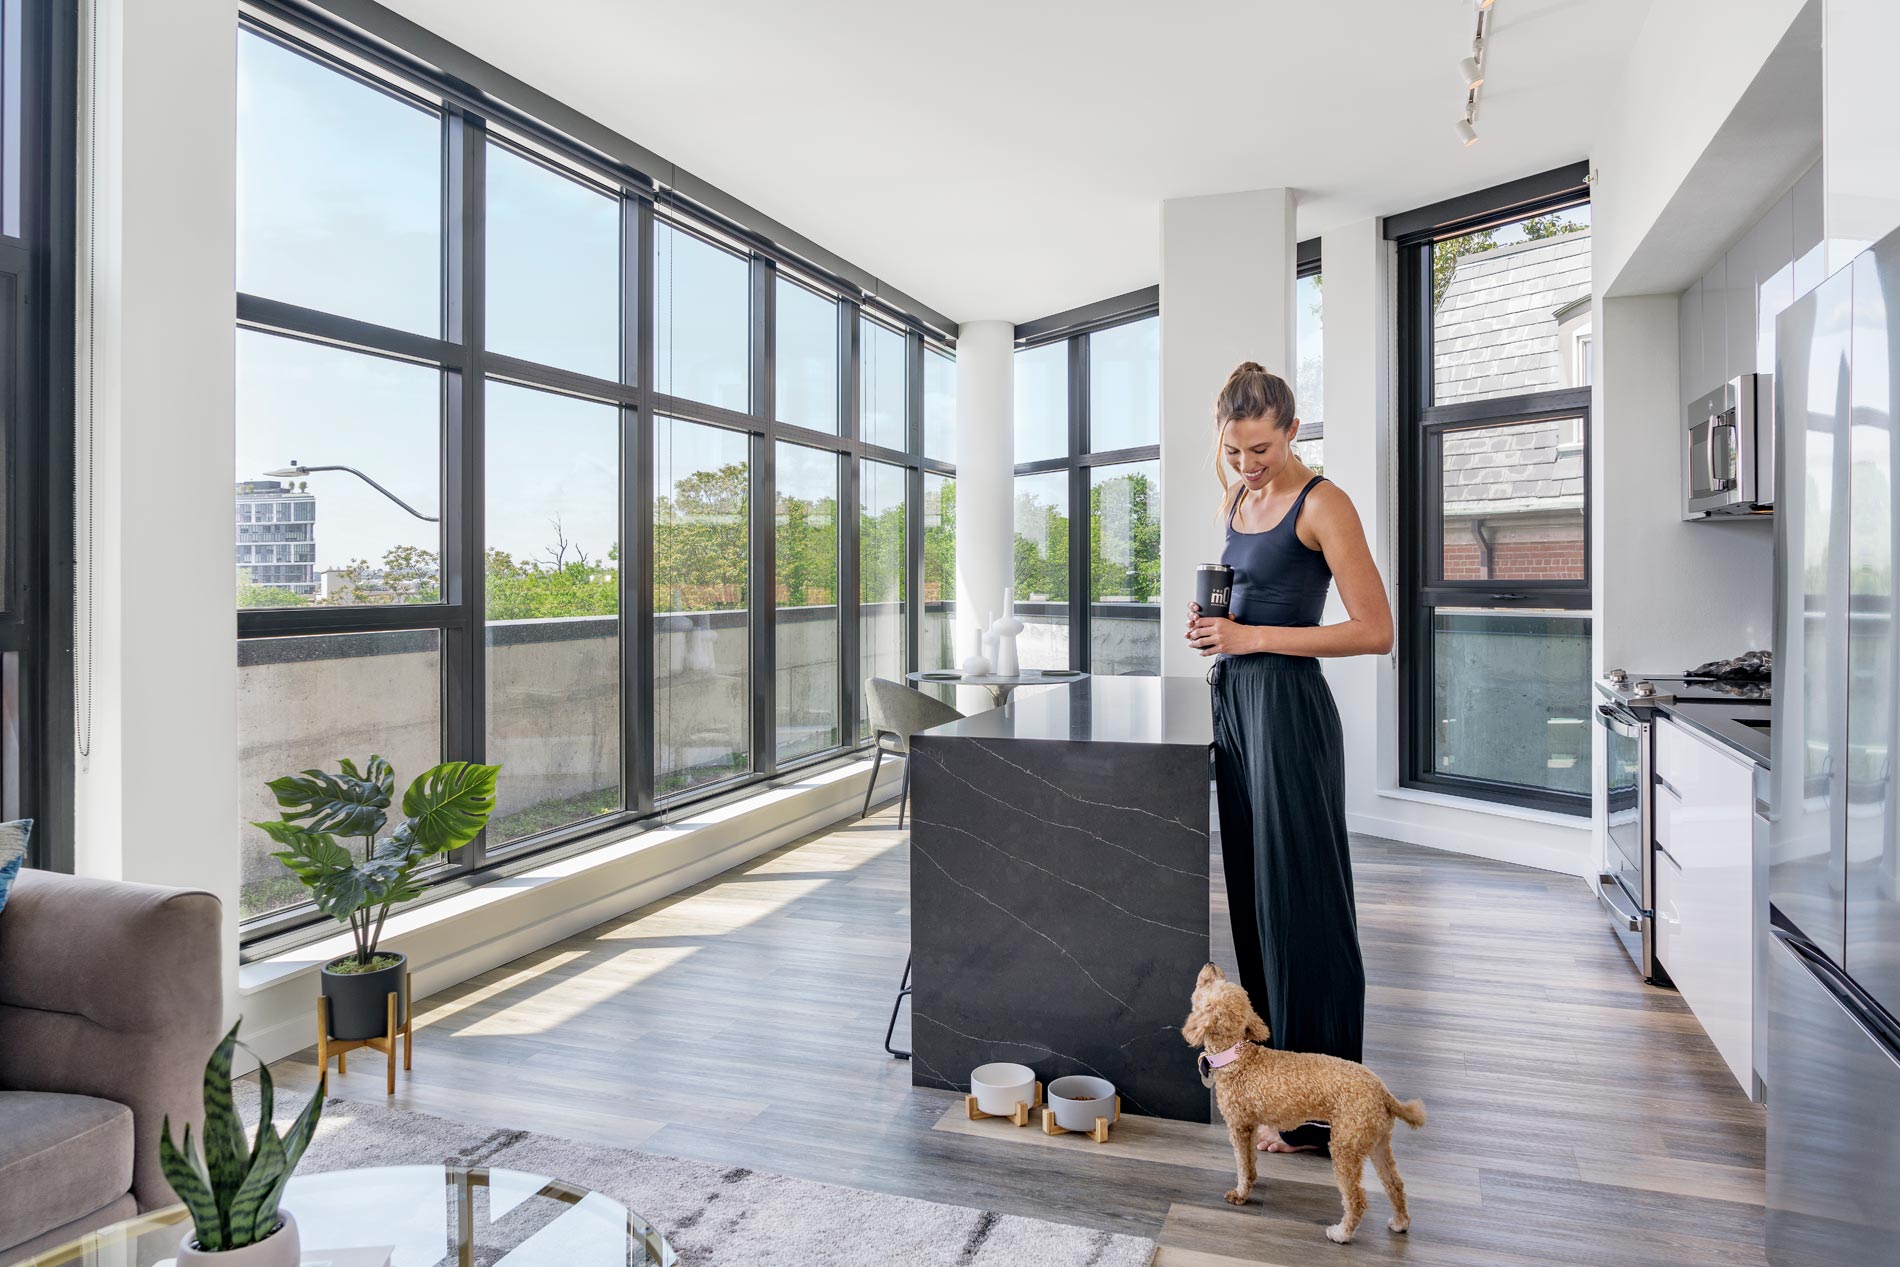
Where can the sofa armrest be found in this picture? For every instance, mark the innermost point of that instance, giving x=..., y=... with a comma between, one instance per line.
x=114, y=990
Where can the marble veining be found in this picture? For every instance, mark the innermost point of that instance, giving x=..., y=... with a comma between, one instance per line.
x=1060, y=914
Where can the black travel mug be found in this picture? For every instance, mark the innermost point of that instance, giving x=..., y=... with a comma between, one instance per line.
x=1211, y=584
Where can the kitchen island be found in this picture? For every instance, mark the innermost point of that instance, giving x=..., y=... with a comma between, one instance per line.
x=1059, y=888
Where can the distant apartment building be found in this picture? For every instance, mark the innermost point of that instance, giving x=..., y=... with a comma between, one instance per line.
x=277, y=536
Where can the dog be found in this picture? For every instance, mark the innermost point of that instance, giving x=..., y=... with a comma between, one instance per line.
x=1258, y=1086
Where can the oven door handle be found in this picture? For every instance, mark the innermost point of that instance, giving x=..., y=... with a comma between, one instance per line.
x=1619, y=721
x=1606, y=884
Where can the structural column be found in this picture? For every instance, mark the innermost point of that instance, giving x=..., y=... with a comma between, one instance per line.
x=986, y=472
x=1227, y=280
x=155, y=787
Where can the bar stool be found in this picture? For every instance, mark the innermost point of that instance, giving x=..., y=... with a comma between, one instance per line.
x=898, y=712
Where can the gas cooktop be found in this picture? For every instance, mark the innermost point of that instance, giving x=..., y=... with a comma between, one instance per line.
x=1668, y=688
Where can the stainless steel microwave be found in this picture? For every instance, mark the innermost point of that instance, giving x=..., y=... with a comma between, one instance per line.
x=1728, y=450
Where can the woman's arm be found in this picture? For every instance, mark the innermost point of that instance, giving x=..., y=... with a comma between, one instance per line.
x=1367, y=629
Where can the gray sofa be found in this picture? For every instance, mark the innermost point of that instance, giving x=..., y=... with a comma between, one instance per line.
x=111, y=998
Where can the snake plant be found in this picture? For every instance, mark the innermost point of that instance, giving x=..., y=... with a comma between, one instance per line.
x=446, y=807
x=232, y=1186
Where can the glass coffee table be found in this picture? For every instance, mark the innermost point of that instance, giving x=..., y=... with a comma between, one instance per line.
x=423, y=1216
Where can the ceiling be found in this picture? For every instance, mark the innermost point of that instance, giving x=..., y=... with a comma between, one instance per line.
x=1008, y=159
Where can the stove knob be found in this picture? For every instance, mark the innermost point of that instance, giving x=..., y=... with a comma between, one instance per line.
x=1643, y=689
x=1616, y=677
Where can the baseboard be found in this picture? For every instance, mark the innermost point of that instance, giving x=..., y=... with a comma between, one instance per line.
x=1543, y=857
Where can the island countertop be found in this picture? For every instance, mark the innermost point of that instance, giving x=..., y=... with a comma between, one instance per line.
x=1169, y=711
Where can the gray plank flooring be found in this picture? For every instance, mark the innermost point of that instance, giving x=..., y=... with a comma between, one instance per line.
x=1577, y=1116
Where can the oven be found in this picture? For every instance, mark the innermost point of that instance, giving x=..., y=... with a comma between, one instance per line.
x=1626, y=881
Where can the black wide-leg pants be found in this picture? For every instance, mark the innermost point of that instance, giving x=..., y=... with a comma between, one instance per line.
x=1279, y=772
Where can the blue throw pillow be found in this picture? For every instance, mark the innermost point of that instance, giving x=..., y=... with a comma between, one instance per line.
x=13, y=838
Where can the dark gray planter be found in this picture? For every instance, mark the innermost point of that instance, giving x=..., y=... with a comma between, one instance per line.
x=359, y=1002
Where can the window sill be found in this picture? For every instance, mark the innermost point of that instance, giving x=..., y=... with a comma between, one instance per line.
x=1496, y=809
x=471, y=904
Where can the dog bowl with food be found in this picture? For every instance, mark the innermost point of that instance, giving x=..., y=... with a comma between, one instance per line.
x=998, y=1088
x=1078, y=1100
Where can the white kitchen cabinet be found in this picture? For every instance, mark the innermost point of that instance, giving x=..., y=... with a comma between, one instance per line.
x=1774, y=277
x=1706, y=887
x=1714, y=327
x=1862, y=144
x=1689, y=335
x=1808, y=209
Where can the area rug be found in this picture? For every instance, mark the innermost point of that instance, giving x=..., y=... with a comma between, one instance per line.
x=717, y=1216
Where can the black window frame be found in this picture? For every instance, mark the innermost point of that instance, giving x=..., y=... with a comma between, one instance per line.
x=38, y=307
x=1422, y=426
x=1074, y=328
x=471, y=120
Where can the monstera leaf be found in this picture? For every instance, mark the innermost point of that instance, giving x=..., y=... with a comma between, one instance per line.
x=448, y=806
x=346, y=804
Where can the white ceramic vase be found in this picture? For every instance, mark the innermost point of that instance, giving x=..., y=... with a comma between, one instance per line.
x=281, y=1248
x=1005, y=631
x=976, y=664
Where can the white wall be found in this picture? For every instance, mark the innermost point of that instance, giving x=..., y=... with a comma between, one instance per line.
x=154, y=795
x=1227, y=277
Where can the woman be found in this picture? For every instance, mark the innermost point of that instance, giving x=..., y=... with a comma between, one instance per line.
x=1278, y=765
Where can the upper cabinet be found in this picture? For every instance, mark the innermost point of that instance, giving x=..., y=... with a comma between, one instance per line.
x=1862, y=197
x=1726, y=321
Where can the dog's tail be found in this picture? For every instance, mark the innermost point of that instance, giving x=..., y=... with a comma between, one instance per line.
x=1410, y=1112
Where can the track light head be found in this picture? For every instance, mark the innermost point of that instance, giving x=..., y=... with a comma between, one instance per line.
x=1472, y=72
x=1467, y=134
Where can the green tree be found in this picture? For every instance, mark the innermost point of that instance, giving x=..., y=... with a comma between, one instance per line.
x=1124, y=506
x=1447, y=253
x=807, y=551
x=940, y=545
x=699, y=542
x=1042, y=557
x=251, y=595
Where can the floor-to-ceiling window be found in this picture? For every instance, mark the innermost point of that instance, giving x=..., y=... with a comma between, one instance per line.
x=1087, y=522
x=37, y=108
x=541, y=464
x=1309, y=354
x=1495, y=570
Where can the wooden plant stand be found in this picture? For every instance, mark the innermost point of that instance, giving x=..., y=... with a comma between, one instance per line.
x=1100, y=1132
x=385, y=1043
x=1019, y=1115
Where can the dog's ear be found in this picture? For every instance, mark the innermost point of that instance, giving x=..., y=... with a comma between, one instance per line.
x=1194, y=1028
x=1257, y=1028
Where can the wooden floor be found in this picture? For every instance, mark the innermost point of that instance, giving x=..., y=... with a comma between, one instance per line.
x=1576, y=1115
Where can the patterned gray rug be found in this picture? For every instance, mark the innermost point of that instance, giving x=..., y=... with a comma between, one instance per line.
x=717, y=1216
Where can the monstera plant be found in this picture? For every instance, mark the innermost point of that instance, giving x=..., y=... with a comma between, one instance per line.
x=231, y=1186
x=445, y=808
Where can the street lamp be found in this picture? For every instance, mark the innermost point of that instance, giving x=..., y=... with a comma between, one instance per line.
x=297, y=470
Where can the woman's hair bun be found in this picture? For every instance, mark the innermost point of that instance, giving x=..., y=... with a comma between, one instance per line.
x=1248, y=367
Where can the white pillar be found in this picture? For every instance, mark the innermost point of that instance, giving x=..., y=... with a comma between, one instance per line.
x=1227, y=277
x=156, y=798
x=986, y=472
x=1356, y=386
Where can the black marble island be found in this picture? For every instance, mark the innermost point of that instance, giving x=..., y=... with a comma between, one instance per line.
x=1059, y=888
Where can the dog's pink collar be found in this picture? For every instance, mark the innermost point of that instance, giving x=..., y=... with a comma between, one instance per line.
x=1220, y=1060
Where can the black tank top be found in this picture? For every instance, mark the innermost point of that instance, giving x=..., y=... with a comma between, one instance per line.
x=1278, y=579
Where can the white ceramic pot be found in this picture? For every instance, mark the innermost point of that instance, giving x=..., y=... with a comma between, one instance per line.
x=998, y=1088
x=281, y=1248
x=1079, y=1099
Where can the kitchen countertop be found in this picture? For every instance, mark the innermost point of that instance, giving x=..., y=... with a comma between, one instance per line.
x=1170, y=711
x=1725, y=723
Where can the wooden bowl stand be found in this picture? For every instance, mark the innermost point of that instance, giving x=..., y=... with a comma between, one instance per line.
x=1019, y=1115
x=385, y=1042
x=1099, y=1133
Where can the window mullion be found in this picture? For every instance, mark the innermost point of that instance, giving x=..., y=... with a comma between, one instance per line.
x=762, y=505
x=1079, y=634
x=636, y=495
x=849, y=529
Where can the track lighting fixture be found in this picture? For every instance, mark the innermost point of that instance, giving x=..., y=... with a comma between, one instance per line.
x=1466, y=133
x=1471, y=73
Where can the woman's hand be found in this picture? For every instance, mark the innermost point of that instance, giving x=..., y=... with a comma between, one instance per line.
x=1217, y=635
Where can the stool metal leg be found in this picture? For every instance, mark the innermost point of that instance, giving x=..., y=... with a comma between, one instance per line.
x=896, y=1003
x=903, y=797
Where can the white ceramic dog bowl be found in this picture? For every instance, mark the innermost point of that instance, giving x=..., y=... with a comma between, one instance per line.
x=999, y=1087
x=1079, y=1099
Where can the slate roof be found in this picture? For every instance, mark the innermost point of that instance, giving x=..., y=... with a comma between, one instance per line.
x=1495, y=334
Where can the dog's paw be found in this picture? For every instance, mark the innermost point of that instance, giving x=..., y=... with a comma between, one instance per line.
x=1398, y=1224
x=1338, y=1234
x=1237, y=1196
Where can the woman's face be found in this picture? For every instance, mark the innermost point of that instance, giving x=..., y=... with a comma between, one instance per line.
x=1257, y=449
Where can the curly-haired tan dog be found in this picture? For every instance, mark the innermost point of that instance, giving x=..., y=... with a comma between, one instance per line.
x=1258, y=1086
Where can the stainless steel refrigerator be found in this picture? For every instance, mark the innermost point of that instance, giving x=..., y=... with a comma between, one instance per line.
x=1833, y=1053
